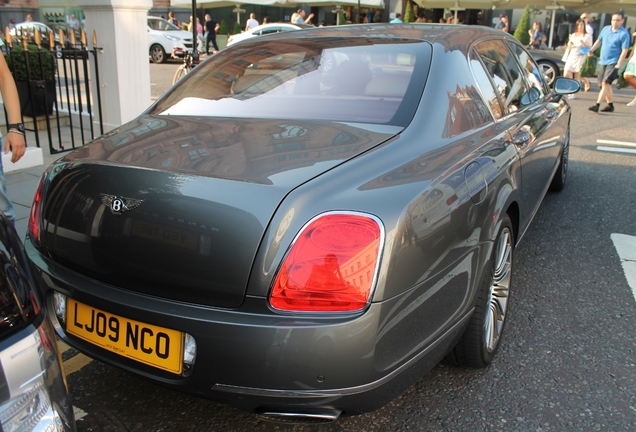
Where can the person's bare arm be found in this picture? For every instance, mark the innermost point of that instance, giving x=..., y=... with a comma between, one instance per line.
x=622, y=57
x=13, y=141
x=595, y=45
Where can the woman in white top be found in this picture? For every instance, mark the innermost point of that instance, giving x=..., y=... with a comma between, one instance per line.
x=630, y=73
x=578, y=42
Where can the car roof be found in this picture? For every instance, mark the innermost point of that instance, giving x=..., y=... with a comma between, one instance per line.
x=457, y=37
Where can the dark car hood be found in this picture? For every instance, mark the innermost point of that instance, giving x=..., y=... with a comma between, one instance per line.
x=177, y=207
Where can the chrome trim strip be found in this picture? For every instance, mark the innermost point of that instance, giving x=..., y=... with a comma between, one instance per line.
x=292, y=417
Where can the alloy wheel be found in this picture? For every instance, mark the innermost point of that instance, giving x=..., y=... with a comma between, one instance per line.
x=499, y=291
x=549, y=72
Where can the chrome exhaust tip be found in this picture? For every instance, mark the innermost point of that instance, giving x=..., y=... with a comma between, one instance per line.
x=318, y=416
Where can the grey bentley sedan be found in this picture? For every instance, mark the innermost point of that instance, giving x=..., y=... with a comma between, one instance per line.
x=309, y=221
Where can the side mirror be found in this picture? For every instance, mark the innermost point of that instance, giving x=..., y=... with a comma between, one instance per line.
x=565, y=86
x=530, y=96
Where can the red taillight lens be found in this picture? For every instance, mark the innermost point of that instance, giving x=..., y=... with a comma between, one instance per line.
x=34, y=218
x=331, y=266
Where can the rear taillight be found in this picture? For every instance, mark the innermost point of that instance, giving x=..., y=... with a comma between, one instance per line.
x=34, y=218
x=331, y=266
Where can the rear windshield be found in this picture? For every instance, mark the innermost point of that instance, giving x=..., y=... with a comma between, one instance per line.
x=369, y=80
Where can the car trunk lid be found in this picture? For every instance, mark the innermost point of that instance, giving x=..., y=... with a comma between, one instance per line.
x=177, y=208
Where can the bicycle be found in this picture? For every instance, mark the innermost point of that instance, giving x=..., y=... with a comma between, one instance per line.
x=188, y=64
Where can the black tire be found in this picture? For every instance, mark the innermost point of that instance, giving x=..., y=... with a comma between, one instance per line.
x=550, y=71
x=482, y=338
x=558, y=182
x=158, y=54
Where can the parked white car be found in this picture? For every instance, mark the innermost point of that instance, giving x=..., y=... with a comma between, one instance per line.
x=264, y=29
x=164, y=37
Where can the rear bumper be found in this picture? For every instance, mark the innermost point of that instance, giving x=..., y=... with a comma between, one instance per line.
x=258, y=360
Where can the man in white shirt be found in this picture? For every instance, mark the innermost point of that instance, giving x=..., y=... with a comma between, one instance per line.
x=588, y=27
x=252, y=22
x=300, y=19
x=73, y=22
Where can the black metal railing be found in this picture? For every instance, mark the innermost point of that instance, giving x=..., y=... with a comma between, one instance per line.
x=56, y=84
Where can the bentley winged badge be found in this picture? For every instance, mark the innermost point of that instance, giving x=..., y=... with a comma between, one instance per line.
x=119, y=205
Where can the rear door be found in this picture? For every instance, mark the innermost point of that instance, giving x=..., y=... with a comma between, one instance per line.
x=526, y=113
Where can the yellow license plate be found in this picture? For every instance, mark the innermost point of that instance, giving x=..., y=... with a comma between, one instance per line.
x=152, y=345
x=166, y=234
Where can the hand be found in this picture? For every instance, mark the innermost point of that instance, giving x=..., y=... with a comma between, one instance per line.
x=15, y=143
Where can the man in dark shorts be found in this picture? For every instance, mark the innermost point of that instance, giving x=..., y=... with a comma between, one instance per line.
x=614, y=40
x=211, y=28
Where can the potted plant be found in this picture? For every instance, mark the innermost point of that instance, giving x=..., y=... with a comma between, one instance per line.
x=35, y=83
x=525, y=24
x=409, y=15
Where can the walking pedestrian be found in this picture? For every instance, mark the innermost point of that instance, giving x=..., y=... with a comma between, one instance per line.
x=578, y=45
x=211, y=27
x=503, y=23
x=300, y=18
x=630, y=73
x=588, y=27
x=173, y=19
x=397, y=19
x=14, y=140
x=73, y=23
x=252, y=22
x=614, y=40
x=199, y=36
x=535, y=35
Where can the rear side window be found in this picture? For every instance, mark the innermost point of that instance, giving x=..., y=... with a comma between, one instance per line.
x=487, y=90
x=367, y=80
x=508, y=79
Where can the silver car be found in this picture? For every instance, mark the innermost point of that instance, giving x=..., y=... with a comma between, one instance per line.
x=33, y=393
